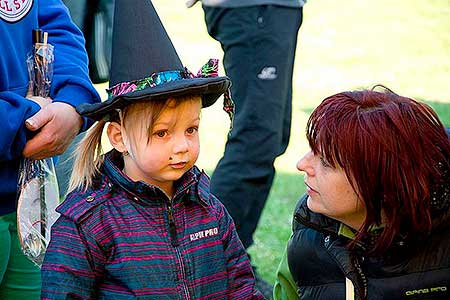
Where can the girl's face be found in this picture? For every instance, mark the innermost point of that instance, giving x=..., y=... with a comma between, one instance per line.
x=171, y=149
x=330, y=192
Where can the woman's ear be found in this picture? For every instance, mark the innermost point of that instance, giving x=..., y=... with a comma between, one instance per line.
x=115, y=135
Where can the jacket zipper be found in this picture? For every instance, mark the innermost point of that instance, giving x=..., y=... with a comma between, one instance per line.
x=362, y=275
x=183, y=274
x=172, y=228
x=175, y=243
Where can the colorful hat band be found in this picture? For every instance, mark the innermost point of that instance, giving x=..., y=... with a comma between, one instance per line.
x=137, y=85
x=210, y=69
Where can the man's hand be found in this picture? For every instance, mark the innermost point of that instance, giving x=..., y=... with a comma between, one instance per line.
x=41, y=101
x=59, y=123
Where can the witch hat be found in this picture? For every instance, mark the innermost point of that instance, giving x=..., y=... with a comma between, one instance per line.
x=145, y=65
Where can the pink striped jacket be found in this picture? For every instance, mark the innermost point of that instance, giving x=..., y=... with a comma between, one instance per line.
x=127, y=240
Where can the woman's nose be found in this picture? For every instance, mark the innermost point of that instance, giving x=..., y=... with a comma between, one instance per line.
x=305, y=165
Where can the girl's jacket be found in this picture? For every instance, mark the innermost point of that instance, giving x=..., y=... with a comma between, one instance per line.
x=126, y=240
x=70, y=82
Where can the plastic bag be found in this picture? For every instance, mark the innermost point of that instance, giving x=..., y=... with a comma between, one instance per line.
x=38, y=186
x=40, y=68
x=38, y=198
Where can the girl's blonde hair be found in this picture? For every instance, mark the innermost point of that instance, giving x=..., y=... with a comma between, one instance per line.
x=137, y=117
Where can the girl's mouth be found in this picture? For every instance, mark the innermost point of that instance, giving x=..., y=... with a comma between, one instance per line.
x=179, y=165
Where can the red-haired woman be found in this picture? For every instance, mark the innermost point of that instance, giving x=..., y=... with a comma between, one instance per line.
x=375, y=223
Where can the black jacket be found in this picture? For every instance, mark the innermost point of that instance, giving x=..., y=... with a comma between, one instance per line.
x=320, y=262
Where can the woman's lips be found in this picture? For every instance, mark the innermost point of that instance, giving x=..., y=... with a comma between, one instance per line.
x=309, y=189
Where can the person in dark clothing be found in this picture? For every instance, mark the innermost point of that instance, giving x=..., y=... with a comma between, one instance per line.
x=259, y=39
x=95, y=19
x=375, y=223
x=259, y=42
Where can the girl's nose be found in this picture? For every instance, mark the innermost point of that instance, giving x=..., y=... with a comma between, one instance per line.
x=181, y=144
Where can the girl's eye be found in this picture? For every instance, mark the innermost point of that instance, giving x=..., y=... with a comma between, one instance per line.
x=161, y=133
x=192, y=130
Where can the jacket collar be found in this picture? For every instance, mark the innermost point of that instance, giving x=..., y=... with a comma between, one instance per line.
x=328, y=226
x=191, y=183
x=323, y=224
x=314, y=220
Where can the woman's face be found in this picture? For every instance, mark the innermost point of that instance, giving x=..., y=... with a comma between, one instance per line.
x=330, y=192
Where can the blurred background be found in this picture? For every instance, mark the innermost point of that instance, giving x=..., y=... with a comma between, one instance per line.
x=342, y=45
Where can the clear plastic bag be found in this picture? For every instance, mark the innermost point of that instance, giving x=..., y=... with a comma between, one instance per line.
x=40, y=68
x=38, y=186
x=38, y=198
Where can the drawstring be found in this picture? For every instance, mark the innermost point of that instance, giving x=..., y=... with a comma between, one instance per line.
x=349, y=289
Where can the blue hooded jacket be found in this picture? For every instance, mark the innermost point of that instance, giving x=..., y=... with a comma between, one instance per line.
x=70, y=84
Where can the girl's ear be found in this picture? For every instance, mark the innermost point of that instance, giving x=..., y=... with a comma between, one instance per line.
x=115, y=136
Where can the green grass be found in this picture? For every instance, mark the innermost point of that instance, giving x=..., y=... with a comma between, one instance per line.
x=343, y=45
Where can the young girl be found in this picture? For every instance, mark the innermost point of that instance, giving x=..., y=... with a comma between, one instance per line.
x=140, y=222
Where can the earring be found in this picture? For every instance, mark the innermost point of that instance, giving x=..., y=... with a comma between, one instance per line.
x=125, y=153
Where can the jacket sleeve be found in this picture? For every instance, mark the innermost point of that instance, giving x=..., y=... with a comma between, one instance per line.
x=285, y=287
x=14, y=110
x=71, y=83
x=73, y=263
x=240, y=274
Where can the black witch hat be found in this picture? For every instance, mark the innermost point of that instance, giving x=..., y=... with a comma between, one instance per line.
x=146, y=66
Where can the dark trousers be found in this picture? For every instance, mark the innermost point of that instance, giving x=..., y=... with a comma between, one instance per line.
x=259, y=44
x=95, y=19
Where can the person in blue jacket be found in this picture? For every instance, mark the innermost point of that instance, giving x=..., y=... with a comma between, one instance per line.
x=34, y=127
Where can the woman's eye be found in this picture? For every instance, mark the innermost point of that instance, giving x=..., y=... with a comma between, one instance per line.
x=324, y=162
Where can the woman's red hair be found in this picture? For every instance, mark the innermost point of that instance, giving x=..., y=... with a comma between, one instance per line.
x=393, y=149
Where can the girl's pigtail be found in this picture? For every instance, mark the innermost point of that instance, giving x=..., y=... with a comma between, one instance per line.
x=88, y=158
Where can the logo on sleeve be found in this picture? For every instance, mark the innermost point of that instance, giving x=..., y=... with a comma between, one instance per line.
x=14, y=10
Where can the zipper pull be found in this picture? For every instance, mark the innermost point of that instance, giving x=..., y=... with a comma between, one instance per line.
x=172, y=228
